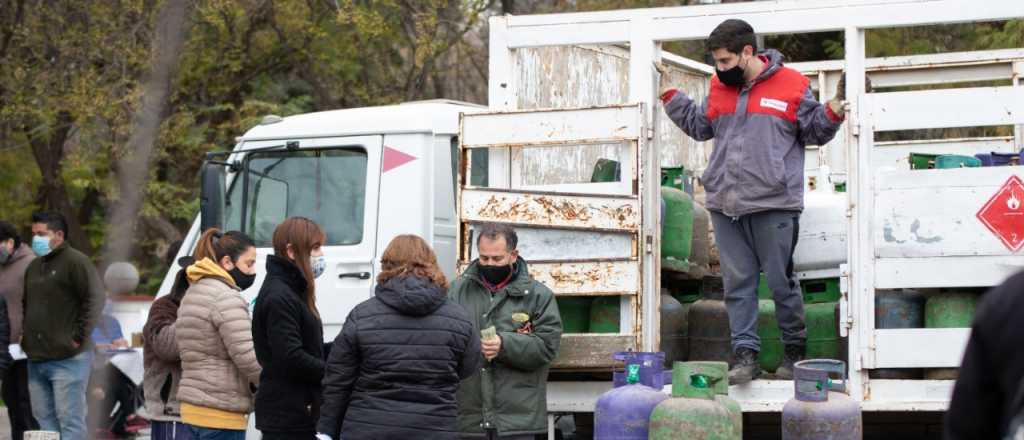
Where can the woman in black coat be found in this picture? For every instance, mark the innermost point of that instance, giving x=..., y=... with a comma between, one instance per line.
x=288, y=334
x=394, y=369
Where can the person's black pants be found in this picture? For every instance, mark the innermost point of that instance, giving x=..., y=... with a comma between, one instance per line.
x=117, y=389
x=15, y=395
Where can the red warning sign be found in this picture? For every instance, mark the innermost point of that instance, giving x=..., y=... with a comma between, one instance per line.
x=1004, y=214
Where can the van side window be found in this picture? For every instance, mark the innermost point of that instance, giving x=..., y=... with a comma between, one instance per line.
x=327, y=186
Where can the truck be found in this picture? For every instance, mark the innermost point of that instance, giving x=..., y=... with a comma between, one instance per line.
x=572, y=93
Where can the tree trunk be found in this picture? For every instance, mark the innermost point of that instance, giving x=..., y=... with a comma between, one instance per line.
x=171, y=31
x=53, y=195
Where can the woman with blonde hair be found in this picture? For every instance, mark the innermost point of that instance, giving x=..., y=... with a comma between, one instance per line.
x=288, y=333
x=395, y=367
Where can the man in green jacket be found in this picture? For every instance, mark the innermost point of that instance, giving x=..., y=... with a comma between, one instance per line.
x=508, y=399
x=63, y=300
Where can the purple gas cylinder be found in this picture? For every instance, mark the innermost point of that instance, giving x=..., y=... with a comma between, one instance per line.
x=623, y=413
x=821, y=410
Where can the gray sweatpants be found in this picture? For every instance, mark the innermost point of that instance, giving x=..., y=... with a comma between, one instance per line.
x=748, y=245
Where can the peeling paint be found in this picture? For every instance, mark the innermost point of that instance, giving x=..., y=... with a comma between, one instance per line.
x=915, y=226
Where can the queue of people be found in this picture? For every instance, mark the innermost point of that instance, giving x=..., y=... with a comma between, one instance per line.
x=408, y=363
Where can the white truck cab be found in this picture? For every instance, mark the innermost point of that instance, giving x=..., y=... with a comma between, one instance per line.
x=364, y=175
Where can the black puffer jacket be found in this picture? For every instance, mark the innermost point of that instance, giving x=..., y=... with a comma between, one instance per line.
x=396, y=365
x=288, y=339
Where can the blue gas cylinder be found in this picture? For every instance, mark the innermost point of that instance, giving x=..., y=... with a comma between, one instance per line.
x=624, y=411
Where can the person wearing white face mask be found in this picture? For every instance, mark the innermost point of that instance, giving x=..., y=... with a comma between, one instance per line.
x=288, y=333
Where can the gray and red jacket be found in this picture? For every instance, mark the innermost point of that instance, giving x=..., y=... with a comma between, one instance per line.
x=760, y=131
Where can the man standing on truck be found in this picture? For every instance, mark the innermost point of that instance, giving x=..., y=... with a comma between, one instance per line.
x=761, y=116
x=521, y=329
x=63, y=300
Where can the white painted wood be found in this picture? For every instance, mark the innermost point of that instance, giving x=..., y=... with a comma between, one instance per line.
x=933, y=213
x=767, y=17
x=589, y=278
x=968, y=107
x=905, y=348
x=568, y=127
x=944, y=68
x=909, y=395
x=921, y=273
x=550, y=210
x=772, y=395
x=544, y=244
x=860, y=193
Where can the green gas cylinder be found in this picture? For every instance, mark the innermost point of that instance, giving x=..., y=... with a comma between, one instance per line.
x=575, y=312
x=604, y=314
x=722, y=391
x=770, y=356
x=695, y=411
x=822, y=321
x=948, y=310
x=676, y=228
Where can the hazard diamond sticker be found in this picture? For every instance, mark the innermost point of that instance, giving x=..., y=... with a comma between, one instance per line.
x=1004, y=214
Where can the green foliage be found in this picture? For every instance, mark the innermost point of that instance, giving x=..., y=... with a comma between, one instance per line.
x=245, y=59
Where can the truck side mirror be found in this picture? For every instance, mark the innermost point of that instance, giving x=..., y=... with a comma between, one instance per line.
x=211, y=196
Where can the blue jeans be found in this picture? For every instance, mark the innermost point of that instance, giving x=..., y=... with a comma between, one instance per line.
x=58, y=394
x=170, y=431
x=199, y=433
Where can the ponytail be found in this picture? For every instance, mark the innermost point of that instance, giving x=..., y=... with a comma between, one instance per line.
x=216, y=245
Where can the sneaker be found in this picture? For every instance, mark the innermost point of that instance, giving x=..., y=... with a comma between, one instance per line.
x=746, y=368
x=793, y=354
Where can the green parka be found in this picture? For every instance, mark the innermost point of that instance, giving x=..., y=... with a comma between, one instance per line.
x=510, y=393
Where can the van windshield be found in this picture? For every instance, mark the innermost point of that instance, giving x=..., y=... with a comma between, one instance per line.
x=327, y=186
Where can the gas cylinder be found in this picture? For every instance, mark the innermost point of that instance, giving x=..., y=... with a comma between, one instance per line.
x=822, y=321
x=898, y=309
x=722, y=392
x=676, y=229
x=674, y=341
x=770, y=356
x=604, y=314
x=710, y=338
x=953, y=309
x=700, y=250
x=694, y=410
x=823, y=231
x=820, y=410
x=575, y=312
x=624, y=412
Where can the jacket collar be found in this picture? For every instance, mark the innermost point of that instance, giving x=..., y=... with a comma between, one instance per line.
x=288, y=272
x=206, y=268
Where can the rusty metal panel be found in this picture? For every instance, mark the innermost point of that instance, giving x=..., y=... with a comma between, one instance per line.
x=550, y=209
x=590, y=278
x=591, y=351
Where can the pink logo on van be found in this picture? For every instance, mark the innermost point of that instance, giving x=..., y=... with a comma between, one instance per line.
x=394, y=158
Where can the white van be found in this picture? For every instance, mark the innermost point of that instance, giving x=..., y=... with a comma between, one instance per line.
x=365, y=175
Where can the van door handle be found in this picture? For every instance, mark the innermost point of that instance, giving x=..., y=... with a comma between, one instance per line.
x=357, y=275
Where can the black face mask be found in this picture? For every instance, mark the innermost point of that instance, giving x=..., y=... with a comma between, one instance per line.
x=495, y=274
x=732, y=77
x=242, y=279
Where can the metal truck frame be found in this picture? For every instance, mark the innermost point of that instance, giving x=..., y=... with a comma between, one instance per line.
x=965, y=255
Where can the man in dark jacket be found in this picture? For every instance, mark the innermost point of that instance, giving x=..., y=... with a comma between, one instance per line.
x=63, y=300
x=761, y=116
x=14, y=259
x=508, y=399
x=989, y=391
